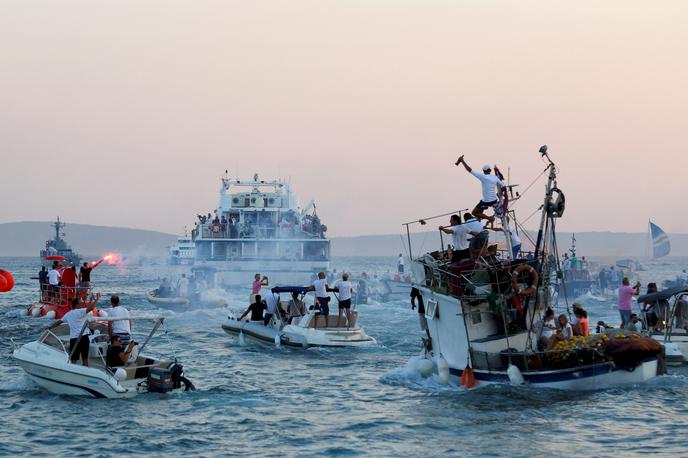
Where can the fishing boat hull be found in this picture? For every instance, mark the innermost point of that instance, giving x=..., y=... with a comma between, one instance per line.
x=591, y=378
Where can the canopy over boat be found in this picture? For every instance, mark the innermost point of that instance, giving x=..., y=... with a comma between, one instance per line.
x=663, y=295
x=290, y=289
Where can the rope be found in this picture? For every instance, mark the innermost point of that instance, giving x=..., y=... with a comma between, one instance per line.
x=532, y=183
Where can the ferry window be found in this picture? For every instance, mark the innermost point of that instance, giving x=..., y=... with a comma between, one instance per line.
x=476, y=317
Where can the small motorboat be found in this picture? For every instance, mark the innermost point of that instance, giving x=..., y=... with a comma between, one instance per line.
x=183, y=303
x=300, y=331
x=396, y=288
x=47, y=362
x=674, y=335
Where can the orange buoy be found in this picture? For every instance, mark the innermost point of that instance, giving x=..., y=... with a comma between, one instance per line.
x=468, y=378
x=9, y=281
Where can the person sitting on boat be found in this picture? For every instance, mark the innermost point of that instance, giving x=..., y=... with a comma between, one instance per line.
x=565, y=329
x=322, y=299
x=272, y=302
x=649, y=309
x=626, y=293
x=574, y=318
x=255, y=309
x=120, y=328
x=546, y=329
x=583, y=327
x=489, y=183
x=76, y=319
x=116, y=356
x=258, y=283
x=346, y=291
x=296, y=308
x=633, y=324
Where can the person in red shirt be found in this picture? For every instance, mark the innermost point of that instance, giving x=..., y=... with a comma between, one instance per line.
x=583, y=325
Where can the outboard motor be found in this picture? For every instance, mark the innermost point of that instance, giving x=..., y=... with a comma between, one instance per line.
x=177, y=372
x=160, y=380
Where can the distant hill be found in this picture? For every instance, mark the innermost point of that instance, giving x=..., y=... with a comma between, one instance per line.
x=28, y=238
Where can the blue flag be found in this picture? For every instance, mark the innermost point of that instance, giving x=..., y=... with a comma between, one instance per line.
x=661, y=246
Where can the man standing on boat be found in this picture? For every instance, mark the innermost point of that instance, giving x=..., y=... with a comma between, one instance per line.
x=85, y=273
x=490, y=183
x=400, y=264
x=76, y=319
x=626, y=294
x=120, y=328
x=322, y=299
x=345, y=289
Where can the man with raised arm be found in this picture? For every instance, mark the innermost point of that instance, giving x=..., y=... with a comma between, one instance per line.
x=490, y=183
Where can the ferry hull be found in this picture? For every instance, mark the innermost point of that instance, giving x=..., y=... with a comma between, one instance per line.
x=241, y=273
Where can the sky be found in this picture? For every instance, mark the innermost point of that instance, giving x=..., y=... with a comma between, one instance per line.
x=127, y=113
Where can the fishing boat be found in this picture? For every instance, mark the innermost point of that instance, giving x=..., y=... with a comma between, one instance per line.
x=47, y=362
x=300, y=331
x=577, y=279
x=485, y=315
x=55, y=301
x=259, y=226
x=58, y=248
x=183, y=253
x=672, y=329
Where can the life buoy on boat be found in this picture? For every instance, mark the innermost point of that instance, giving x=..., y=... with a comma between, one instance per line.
x=215, y=228
x=517, y=273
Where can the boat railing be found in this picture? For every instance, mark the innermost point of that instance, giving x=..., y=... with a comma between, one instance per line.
x=59, y=295
x=216, y=231
x=471, y=278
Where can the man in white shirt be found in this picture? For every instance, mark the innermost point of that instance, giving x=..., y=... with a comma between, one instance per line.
x=346, y=291
x=462, y=234
x=322, y=299
x=400, y=264
x=490, y=183
x=272, y=301
x=75, y=319
x=120, y=328
x=183, y=286
x=54, y=277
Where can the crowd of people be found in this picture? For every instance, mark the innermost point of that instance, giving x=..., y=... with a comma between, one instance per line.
x=121, y=344
x=263, y=307
x=264, y=223
x=62, y=283
x=190, y=287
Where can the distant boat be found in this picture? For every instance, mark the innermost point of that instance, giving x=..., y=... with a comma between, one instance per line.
x=659, y=241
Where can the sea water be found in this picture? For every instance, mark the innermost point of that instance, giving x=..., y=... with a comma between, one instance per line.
x=256, y=400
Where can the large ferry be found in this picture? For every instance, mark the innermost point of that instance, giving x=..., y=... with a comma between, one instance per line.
x=259, y=227
x=58, y=247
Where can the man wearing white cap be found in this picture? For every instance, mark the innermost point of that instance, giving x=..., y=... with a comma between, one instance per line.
x=489, y=183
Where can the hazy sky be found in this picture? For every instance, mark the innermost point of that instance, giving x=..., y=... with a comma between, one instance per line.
x=127, y=112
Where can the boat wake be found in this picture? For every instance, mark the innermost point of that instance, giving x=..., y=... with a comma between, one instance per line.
x=416, y=377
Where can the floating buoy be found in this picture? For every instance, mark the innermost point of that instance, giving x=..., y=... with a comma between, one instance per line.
x=468, y=377
x=424, y=367
x=8, y=283
x=515, y=376
x=50, y=315
x=35, y=311
x=443, y=370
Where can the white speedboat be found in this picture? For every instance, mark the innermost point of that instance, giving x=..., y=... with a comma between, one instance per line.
x=481, y=316
x=301, y=332
x=47, y=362
x=674, y=335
